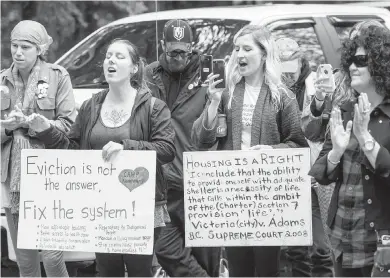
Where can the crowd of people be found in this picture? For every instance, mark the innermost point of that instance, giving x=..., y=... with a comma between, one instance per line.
x=164, y=107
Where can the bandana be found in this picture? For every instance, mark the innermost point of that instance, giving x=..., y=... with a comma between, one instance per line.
x=32, y=31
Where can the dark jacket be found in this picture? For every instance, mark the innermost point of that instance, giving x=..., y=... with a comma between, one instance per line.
x=376, y=182
x=187, y=107
x=277, y=128
x=58, y=106
x=147, y=133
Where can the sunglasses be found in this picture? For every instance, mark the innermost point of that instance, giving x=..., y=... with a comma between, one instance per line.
x=181, y=53
x=360, y=61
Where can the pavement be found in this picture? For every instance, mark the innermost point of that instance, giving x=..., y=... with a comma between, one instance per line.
x=10, y=269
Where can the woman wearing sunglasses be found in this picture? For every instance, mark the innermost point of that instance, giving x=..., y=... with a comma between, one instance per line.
x=356, y=155
x=315, y=117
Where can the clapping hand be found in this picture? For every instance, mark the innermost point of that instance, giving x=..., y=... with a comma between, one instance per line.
x=340, y=136
x=14, y=120
x=38, y=122
x=361, y=117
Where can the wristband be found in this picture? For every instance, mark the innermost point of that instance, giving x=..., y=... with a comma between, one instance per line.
x=332, y=162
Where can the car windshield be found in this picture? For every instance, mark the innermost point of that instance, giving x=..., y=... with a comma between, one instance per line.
x=84, y=64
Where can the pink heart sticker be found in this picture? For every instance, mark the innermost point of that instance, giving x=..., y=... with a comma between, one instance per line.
x=133, y=178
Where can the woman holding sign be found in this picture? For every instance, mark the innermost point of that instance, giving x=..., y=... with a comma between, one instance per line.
x=123, y=117
x=29, y=86
x=254, y=88
x=356, y=156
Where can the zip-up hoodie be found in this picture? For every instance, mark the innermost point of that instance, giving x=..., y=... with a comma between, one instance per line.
x=187, y=99
x=149, y=131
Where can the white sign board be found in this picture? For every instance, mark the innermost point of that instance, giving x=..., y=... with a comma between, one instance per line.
x=72, y=200
x=248, y=198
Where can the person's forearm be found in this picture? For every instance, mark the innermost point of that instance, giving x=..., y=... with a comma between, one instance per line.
x=333, y=160
x=212, y=112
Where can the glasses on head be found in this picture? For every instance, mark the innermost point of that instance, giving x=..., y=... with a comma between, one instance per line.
x=360, y=61
x=181, y=53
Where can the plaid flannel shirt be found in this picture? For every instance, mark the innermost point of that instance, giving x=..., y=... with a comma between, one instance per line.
x=359, y=212
x=348, y=236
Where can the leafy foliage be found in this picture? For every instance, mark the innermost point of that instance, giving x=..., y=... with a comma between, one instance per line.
x=67, y=22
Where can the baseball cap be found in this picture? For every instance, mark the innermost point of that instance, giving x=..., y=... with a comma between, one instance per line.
x=177, y=35
x=289, y=54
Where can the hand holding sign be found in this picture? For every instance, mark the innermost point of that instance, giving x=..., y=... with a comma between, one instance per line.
x=110, y=149
x=134, y=178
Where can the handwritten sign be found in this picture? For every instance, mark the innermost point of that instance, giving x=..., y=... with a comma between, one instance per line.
x=248, y=198
x=72, y=200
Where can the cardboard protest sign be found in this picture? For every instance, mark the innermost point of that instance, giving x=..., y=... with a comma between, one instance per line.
x=248, y=198
x=72, y=200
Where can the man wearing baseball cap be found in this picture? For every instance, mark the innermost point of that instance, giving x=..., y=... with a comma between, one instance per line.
x=315, y=261
x=296, y=70
x=174, y=78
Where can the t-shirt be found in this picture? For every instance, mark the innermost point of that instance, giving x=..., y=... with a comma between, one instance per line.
x=250, y=98
x=101, y=134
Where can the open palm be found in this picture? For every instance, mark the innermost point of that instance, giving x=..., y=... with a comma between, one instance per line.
x=340, y=136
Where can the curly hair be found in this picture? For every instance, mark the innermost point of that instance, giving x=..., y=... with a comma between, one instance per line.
x=362, y=25
x=376, y=42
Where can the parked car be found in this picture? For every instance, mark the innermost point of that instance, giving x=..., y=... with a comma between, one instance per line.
x=377, y=4
x=318, y=29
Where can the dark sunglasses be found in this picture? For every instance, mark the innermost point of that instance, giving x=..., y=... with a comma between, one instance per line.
x=175, y=53
x=360, y=61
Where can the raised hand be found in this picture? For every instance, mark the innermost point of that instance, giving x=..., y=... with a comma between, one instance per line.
x=361, y=117
x=214, y=94
x=322, y=89
x=14, y=120
x=340, y=136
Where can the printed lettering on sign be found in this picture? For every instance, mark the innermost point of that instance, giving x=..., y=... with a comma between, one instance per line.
x=247, y=198
x=86, y=204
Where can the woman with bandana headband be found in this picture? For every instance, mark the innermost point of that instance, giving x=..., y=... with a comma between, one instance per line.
x=30, y=86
